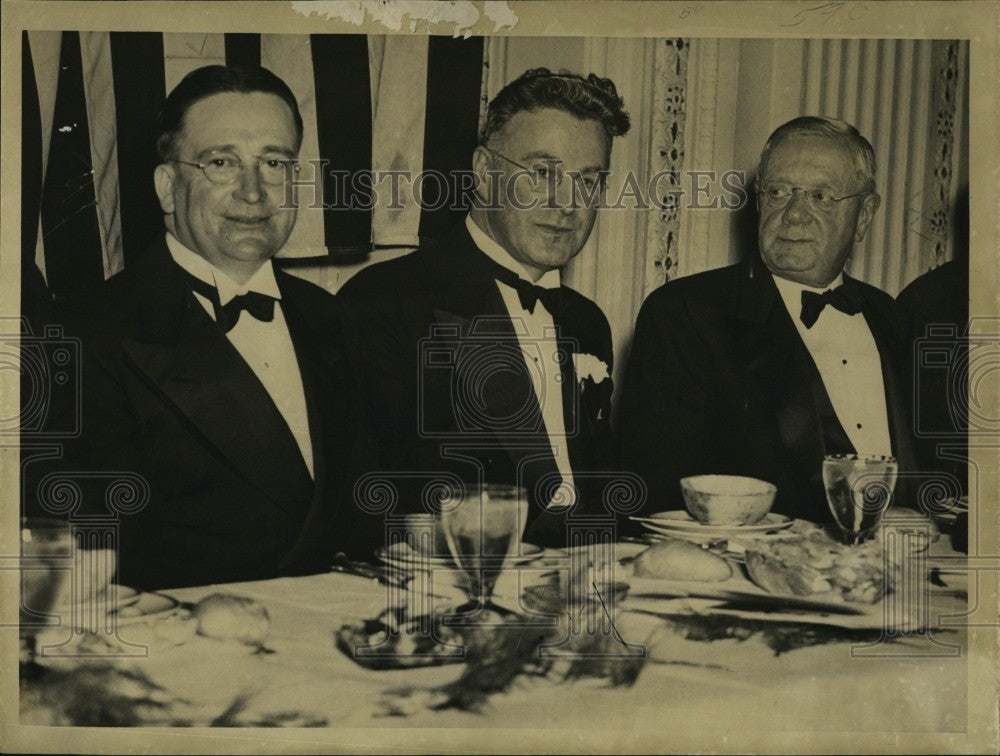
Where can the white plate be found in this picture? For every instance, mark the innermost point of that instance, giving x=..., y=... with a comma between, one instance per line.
x=741, y=598
x=149, y=606
x=680, y=522
x=116, y=597
x=409, y=559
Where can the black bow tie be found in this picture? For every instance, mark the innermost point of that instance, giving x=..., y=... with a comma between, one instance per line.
x=845, y=298
x=260, y=306
x=530, y=294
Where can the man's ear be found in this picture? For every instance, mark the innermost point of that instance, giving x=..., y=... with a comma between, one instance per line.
x=480, y=166
x=163, y=180
x=867, y=214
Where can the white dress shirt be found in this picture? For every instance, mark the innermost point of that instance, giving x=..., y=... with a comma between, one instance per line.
x=844, y=350
x=536, y=334
x=266, y=347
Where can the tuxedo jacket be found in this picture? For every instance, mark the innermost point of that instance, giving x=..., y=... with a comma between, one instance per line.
x=934, y=312
x=719, y=381
x=449, y=386
x=168, y=398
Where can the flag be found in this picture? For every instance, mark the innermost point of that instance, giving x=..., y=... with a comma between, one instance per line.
x=373, y=107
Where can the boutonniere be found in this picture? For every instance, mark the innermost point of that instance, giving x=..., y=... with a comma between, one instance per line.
x=589, y=366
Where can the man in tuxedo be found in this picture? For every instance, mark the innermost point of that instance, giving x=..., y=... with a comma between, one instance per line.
x=762, y=368
x=215, y=378
x=477, y=360
x=934, y=314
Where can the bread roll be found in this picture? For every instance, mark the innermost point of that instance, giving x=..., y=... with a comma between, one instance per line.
x=227, y=617
x=681, y=560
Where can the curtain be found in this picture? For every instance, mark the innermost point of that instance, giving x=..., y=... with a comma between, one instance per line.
x=908, y=97
x=375, y=104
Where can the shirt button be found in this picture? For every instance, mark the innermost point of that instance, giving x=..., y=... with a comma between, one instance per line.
x=844, y=362
x=859, y=426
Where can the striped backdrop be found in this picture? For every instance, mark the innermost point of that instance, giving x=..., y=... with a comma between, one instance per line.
x=89, y=104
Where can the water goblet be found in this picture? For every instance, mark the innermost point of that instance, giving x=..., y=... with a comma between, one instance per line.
x=859, y=490
x=46, y=562
x=482, y=525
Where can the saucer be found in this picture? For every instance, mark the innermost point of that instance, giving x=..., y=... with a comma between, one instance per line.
x=149, y=606
x=406, y=558
x=680, y=523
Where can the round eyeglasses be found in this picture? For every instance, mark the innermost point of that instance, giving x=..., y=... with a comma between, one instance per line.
x=225, y=168
x=779, y=195
x=548, y=174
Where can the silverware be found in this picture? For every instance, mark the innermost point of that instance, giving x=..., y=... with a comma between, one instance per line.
x=645, y=540
x=387, y=575
x=760, y=601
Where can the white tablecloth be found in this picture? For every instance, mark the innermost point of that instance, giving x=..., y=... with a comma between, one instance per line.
x=738, y=690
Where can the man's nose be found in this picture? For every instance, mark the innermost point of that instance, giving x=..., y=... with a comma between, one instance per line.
x=249, y=187
x=564, y=198
x=797, y=210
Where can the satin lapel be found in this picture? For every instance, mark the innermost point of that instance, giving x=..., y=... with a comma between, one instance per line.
x=780, y=366
x=493, y=389
x=573, y=414
x=898, y=396
x=189, y=360
x=583, y=400
x=331, y=403
x=326, y=382
x=471, y=301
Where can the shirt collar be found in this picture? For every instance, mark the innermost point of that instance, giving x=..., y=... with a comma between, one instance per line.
x=791, y=291
x=550, y=279
x=262, y=281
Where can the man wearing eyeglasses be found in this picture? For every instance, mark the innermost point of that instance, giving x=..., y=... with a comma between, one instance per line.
x=480, y=363
x=763, y=368
x=215, y=377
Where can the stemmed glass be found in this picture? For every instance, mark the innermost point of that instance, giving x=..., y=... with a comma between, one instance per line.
x=46, y=559
x=482, y=525
x=859, y=490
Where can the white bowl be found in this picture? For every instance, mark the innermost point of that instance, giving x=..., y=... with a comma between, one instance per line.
x=727, y=499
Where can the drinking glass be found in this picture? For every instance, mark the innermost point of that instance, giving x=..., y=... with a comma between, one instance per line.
x=46, y=561
x=858, y=490
x=482, y=525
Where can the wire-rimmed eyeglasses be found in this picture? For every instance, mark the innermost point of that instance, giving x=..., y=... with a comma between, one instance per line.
x=546, y=175
x=225, y=167
x=779, y=195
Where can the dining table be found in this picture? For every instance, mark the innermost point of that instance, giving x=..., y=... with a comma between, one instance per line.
x=679, y=666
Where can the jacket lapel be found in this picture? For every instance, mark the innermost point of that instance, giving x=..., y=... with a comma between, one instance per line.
x=331, y=402
x=586, y=403
x=897, y=397
x=326, y=381
x=780, y=366
x=471, y=303
x=185, y=356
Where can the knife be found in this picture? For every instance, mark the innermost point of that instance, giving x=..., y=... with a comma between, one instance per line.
x=758, y=601
x=385, y=575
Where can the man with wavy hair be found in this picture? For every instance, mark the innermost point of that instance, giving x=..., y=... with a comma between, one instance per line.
x=479, y=362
